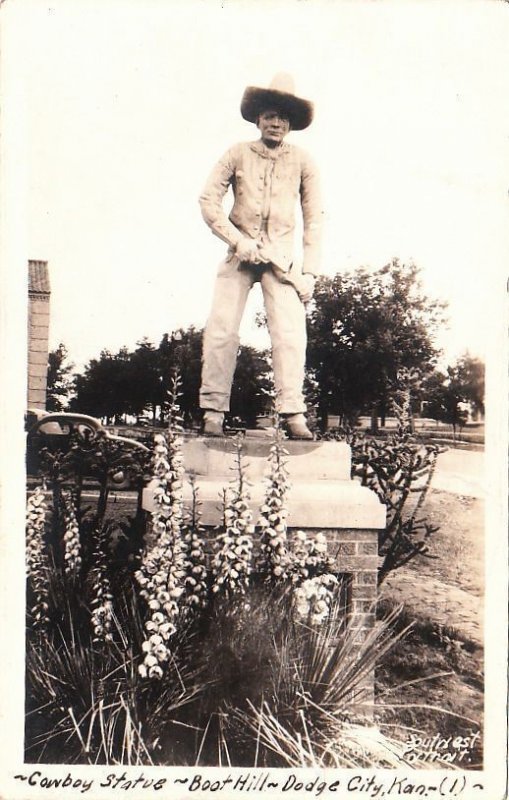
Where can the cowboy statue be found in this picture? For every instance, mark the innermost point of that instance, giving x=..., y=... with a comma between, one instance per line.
x=267, y=177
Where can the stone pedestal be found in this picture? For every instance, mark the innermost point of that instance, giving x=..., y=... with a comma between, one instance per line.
x=322, y=497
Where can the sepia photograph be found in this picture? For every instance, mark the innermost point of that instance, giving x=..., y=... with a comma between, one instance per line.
x=254, y=419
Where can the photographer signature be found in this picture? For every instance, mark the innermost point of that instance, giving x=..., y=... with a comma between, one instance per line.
x=440, y=749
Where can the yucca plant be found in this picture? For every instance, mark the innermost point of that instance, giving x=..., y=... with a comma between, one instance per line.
x=232, y=563
x=86, y=702
x=162, y=571
x=37, y=562
x=197, y=575
x=274, y=559
x=237, y=653
x=314, y=712
x=71, y=537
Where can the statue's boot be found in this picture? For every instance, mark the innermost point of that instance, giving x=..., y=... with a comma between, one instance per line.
x=213, y=423
x=296, y=426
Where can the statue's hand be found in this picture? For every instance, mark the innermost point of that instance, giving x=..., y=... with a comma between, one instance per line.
x=305, y=287
x=247, y=250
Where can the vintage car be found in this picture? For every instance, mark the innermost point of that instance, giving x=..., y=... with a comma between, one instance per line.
x=78, y=443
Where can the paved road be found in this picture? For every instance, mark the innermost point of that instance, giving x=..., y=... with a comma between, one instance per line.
x=460, y=472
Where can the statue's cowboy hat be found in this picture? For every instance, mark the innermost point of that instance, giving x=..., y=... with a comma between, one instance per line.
x=280, y=96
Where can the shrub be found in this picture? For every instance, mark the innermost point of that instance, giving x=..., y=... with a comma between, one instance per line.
x=399, y=469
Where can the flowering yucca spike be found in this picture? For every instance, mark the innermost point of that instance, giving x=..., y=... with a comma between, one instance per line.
x=72, y=542
x=232, y=564
x=102, y=599
x=175, y=421
x=196, y=563
x=275, y=561
x=162, y=572
x=36, y=556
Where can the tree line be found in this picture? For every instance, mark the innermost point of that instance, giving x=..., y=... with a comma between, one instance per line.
x=365, y=329
x=135, y=383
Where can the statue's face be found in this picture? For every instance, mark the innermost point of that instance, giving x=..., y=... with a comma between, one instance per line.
x=274, y=126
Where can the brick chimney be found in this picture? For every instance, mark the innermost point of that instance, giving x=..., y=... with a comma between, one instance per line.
x=38, y=330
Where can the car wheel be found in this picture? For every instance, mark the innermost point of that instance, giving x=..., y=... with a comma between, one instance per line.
x=120, y=480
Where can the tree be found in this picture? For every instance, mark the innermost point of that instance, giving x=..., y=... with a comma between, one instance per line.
x=132, y=382
x=449, y=394
x=100, y=390
x=469, y=372
x=363, y=328
x=143, y=376
x=180, y=354
x=60, y=381
x=251, y=385
x=444, y=400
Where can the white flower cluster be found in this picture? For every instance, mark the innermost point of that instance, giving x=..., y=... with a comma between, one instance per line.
x=273, y=515
x=313, y=598
x=196, y=578
x=162, y=572
x=233, y=560
x=72, y=543
x=36, y=556
x=196, y=566
x=309, y=557
x=314, y=583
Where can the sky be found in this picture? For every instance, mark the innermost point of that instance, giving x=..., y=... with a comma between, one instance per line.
x=127, y=106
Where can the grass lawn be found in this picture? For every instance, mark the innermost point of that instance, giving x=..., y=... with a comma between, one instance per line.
x=431, y=684
x=458, y=547
x=406, y=676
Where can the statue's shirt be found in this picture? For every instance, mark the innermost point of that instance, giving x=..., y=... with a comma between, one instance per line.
x=267, y=184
